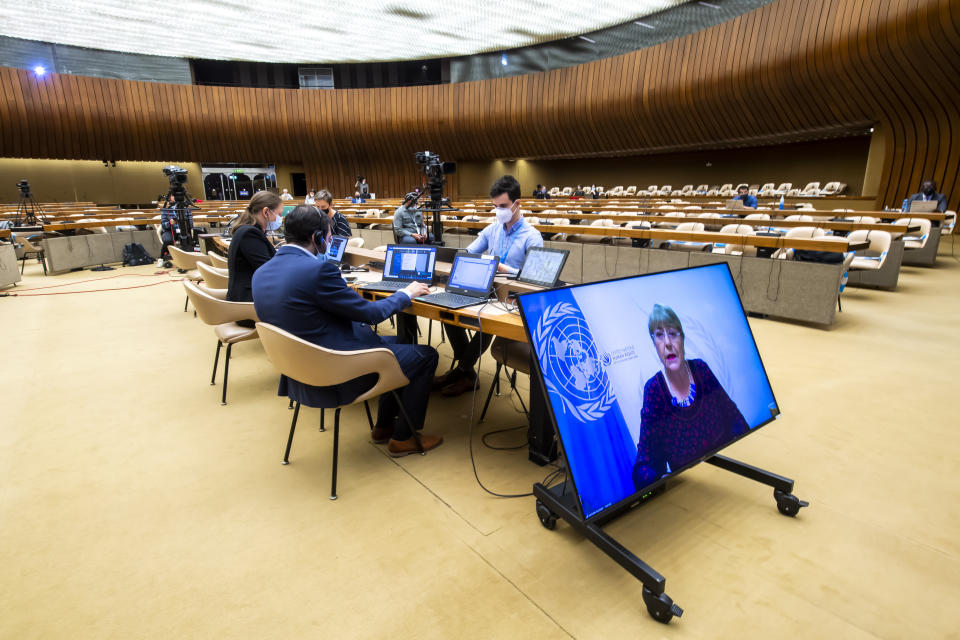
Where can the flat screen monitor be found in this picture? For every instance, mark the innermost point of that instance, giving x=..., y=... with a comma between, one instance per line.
x=410, y=262
x=646, y=376
x=338, y=244
x=542, y=266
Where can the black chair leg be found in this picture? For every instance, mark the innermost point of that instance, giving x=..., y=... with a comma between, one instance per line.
x=185, y=302
x=323, y=419
x=430, y=332
x=443, y=334
x=496, y=380
x=216, y=360
x=336, y=448
x=23, y=263
x=413, y=430
x=839, y=306
x=293, y=426
x=366, y=405
x=291, y=404
x=513, y=385
x=493, y=385
x=226, y=372
x=43, y=261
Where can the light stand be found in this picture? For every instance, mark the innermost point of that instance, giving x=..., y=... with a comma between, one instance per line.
x=29, y=212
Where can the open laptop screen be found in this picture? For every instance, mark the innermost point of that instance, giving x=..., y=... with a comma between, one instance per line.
x=542, y=266
x=472, y=274
x=409, y=263
x=338, y=244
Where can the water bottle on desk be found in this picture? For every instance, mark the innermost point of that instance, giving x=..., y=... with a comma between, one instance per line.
x=781, y=203
x=906, y=204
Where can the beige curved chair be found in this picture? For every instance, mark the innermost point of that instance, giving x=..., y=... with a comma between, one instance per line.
x=711, y=221
x=873, y=257
x=783, y=189
x=29, y=250
x=733, y=248
x=949, y=222
x=216, y=260
x=689, y=245
x=757, y=216
x=213, y=277
x=800, y=217
x=630, y=191
x=767, y=190
x=863, y=219
x=726, y=189
x=187, y=263
x=567, y=191
x=833, y=189
x=317, y=366
x=808, y=233
x=355, y=242
x=554, y=192
x=701, y=190
x=919, y=241
x=222, y=315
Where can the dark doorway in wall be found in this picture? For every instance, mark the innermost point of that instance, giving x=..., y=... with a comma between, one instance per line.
x=299, y=184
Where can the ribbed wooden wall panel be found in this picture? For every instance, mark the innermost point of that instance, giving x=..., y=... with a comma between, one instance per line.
x=791, y=68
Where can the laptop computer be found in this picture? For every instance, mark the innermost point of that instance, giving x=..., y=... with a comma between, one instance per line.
x=403, y=264
x=336, y=249
x=470, y=282
x=735, y=203
x=923, y=206
x=542, y=266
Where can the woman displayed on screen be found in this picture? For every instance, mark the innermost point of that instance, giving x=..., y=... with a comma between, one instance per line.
x=686, y=412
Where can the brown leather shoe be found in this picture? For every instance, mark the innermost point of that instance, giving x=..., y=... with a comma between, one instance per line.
x=400, y=448
x=439, y=382
x=381, y=435
x=461, y=385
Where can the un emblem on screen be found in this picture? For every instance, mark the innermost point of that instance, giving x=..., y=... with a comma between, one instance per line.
x=571, y=366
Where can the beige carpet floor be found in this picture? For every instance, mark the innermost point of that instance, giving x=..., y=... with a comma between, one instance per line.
x=133, y=505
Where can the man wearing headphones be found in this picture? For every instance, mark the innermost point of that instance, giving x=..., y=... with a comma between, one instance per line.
x=309, y=298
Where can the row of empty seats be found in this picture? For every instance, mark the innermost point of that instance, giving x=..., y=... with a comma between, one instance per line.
x=766, y=190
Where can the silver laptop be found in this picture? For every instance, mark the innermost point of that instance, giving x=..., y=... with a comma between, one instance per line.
x=470, y=282
x=923, y=206
x=735, y=203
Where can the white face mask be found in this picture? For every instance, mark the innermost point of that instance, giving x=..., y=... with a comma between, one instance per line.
x=504, y=214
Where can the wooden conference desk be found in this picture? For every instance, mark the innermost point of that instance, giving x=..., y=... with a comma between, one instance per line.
x=542, y=448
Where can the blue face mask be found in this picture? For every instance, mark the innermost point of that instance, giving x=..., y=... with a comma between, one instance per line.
x=322, y=257
x=273, y=226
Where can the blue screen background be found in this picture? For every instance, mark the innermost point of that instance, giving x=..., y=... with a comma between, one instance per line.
x=603, y=328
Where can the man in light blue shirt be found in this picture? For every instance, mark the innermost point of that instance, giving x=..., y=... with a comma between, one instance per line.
x=508, y=237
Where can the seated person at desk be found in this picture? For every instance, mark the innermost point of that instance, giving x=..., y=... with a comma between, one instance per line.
x=928, y=191
x=338, y=222
x=309, y=298
x=748, y=200
x=408, y=226
x=357, y=198
x=311, y=198
x=285, y=195
x=508, y=238
x=249, y=247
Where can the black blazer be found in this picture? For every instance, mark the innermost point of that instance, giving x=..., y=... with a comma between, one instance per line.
x=249, y=249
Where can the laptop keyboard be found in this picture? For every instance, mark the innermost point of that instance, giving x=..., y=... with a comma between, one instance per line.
x=391, y=285
x=449, y=299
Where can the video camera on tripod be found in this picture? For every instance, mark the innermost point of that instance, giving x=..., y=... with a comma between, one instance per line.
x=180, y=222
x=435, y=170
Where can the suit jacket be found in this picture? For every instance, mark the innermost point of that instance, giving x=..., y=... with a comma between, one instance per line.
x=939, y=197
x=310, y=299
x=249, y=250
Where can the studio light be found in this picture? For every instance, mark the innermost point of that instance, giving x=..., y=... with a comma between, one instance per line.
x=40, y=70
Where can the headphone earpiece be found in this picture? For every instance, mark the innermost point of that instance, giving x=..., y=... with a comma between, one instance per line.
x=320, y=241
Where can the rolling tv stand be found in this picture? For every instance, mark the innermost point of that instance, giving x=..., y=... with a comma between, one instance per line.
x=555, y=502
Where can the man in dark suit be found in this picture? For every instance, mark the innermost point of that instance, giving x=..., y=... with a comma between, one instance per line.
x=308, y=297
x=928, y=191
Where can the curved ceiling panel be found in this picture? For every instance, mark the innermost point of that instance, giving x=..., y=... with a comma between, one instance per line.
x=309, y=31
